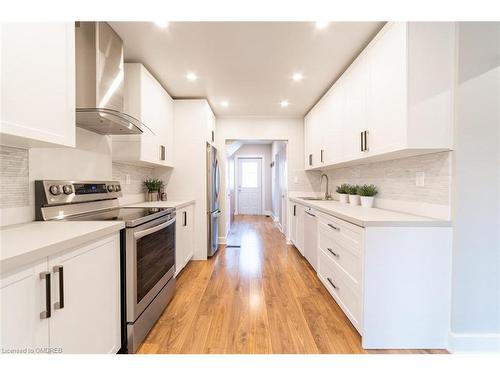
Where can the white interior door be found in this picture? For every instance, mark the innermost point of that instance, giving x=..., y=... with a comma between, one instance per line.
x=249, y=186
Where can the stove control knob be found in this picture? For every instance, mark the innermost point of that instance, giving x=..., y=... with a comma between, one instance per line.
x=68, y=189
x=54, y=190
x=111, y=188
x=118, y=188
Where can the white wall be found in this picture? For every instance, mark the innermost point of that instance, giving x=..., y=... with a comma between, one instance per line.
x=255, y=128
x=475, y=318
x=263, y=150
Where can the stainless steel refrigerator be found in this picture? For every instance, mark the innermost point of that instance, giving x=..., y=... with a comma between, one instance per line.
x=213, y=211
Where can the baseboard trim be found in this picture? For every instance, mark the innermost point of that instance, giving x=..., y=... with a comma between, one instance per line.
x=473, y=342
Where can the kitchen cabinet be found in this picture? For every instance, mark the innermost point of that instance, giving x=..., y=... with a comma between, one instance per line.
x=193, y=120
x=37, y=83
x=395, y=100
x=184, y=237
x=392, y=282
x=69, y=301
x=23, y=296
x=146, y=100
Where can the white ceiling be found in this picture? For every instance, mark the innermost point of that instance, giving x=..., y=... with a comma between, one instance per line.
x=249, y=64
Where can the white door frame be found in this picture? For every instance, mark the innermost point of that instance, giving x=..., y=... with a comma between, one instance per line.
x=262, y=183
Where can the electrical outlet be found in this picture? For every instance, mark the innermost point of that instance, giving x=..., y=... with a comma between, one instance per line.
x=127, y=179
x=420, y=179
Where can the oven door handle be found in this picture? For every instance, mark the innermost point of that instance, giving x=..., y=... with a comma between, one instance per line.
x=145, y=232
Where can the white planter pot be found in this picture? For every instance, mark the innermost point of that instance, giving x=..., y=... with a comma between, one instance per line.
x=354, y=200
x=344, y=198
x=367, y=201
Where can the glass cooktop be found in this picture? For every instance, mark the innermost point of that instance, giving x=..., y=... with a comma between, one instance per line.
x=131, y=216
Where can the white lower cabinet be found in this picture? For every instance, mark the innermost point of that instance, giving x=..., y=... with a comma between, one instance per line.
x=69, y=302
x=184, y=237
x=392, y=282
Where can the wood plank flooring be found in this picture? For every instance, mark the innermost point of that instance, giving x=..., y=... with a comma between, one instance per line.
x=261, y=298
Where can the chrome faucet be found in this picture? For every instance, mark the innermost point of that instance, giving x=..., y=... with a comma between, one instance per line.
x=327, y=194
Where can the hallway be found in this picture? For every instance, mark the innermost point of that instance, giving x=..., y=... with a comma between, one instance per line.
x=260, y=298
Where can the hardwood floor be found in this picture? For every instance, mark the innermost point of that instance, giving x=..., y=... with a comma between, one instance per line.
x=261, y=298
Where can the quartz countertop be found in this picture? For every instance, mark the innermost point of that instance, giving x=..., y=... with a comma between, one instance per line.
x=26, y=243
x=371, y=217
x=162, y=204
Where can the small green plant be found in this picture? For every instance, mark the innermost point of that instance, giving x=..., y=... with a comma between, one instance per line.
x=352, y=189
x=367, y=190
x=153, y=184
x=343, y=189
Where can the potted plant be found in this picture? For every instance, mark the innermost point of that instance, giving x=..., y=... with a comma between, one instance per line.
x=153, y=186
x=352, y=190
x=367, y=194
x=342, y=191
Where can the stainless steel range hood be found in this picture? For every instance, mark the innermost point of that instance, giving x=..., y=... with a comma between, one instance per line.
x=99, y=81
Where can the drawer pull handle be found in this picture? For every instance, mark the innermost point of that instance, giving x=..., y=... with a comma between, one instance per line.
x=60, y=304
x=333, y=253
x=333, y=227
x=47, y=313
x=310, y=214
x=331, y=282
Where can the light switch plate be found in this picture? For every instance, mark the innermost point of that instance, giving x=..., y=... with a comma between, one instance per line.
x=420, y=179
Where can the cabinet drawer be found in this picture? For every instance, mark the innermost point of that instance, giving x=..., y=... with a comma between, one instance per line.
x=345, y=255
x=344, y=290
x=345, y=233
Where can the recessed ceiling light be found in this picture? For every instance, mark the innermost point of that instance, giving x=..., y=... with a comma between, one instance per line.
x=224, y=103
x=321, y=24
x=191, y=77
x=297, y=77
x=162, y=24
x=284, y=103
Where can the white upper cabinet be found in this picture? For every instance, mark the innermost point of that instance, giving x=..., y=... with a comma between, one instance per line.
x=37, y=83
x=146, y=100
x=395, y=100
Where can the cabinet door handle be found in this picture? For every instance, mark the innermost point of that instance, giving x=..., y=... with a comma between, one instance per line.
x=366, y=140
x=310, y=159
x=213, y=136
x=185, y=219
x=46, y=314
x=310, y=214
x=163, y=152
x=331, y=283
x=294, y=210
x=60, y=304
x=333, y=253
x=333, y=227
x=362, y=142
x=322, y=156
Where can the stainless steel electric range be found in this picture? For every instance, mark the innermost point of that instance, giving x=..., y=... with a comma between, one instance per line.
x=147, y=246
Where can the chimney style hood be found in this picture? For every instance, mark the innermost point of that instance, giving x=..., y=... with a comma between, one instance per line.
x=99, y=81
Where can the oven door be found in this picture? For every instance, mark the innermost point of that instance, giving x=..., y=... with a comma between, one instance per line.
x=150, y=252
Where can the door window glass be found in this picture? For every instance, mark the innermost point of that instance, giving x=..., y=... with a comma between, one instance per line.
x=249, y=174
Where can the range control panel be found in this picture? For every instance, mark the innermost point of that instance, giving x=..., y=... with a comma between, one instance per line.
x=52, y=192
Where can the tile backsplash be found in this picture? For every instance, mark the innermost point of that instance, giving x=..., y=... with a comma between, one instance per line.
x=14, y=177
x=395, y=179
x=137, y=175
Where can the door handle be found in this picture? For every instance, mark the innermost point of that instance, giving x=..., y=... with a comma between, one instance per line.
x=60, y=304
x=47, y=313
x=331, y=283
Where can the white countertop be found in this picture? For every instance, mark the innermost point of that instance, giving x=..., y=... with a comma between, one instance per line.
x=371, y=217
x=162, y=204
x=25, y=243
